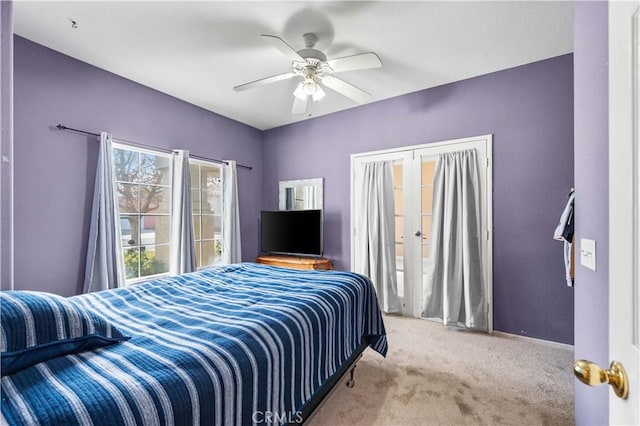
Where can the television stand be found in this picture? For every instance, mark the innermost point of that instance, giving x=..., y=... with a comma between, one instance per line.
x=296, y=262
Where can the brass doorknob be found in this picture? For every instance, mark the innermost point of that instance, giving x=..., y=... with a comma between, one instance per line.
x=592, y=374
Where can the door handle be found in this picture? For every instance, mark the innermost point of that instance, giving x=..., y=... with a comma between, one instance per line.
x=592, y=374
x=418, y=233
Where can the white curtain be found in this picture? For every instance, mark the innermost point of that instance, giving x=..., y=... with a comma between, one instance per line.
x=454, y=288
x=231, y=244
x=309, y=197
x=104, y=255
x=376, y=232
x=183, y=256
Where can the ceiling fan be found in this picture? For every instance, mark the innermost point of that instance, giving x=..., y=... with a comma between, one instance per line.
x=314, y=68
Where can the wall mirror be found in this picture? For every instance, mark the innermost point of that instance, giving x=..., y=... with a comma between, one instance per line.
x=301, y=194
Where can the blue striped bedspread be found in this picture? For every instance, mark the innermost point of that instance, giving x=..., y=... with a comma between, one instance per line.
x=235, y=344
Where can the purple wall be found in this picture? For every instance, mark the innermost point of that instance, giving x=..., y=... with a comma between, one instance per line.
x=529, y=110
x=590, y=20
x=6, y=136
x=54, y=171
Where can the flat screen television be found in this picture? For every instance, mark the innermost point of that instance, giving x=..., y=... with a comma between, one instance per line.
x=296, y=232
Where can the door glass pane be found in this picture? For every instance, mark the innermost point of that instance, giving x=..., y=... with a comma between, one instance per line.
x=397, y=175
x=400, y=278
x=399, y=203
x=428, y=169
x=427, y=199
x=400, y=268
x=424, y=285
x=399, y=228
x=426, y=204
x=426, y=228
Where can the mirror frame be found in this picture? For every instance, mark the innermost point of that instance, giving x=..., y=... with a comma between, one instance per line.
x=300, y=183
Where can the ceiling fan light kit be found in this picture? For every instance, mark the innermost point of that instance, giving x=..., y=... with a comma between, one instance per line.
x=299, y=92
x=309, y=85
x=309, y=88
x=312, y=65
x=318, y=94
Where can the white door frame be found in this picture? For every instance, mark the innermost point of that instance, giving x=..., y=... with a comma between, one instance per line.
x=486, y=200
x=624, y=204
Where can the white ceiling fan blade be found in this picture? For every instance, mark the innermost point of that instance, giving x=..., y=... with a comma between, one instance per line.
x=299, y=105
x=346, y=89
x=263, y=81
x=355, y=62
x=282, y=46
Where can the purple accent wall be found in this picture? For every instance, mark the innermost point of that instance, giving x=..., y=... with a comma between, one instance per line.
x=55, y=171
x=6, y=136
x=529, y=110
x=591, y=55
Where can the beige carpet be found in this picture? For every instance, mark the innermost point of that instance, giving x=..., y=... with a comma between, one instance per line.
x=434, y=375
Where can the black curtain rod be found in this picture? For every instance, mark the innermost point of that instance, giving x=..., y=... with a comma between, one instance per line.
x=215, y=160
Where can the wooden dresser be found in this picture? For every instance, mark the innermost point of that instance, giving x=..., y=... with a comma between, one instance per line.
x=296, y=262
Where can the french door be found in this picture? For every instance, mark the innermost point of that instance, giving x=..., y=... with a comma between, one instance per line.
x=413, y=174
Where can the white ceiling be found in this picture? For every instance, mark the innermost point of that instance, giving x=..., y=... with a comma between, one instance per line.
x=197, y=51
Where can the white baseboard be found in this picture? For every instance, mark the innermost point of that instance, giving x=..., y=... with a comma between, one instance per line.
x=534, y=340
x=502, y=334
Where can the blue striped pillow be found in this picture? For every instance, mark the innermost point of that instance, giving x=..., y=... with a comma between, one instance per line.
x=38, y=326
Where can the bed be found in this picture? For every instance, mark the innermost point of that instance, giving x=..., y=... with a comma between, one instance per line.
x=236, y=344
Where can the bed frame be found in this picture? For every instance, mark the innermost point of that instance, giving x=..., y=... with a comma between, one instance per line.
x=309, y=409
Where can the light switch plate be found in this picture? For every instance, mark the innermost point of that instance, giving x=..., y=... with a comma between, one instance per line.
x=588, y=253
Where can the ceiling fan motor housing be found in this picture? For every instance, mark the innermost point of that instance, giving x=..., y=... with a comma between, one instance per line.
x=312, y=54
x=309, y=53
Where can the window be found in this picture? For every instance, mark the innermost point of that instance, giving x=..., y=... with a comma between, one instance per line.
x=144, y=201
x=143, y=188
x=206, y=200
